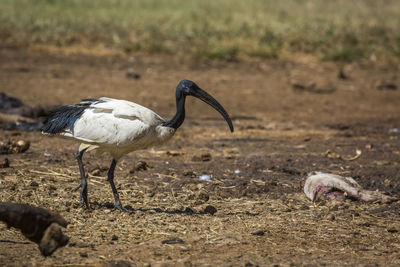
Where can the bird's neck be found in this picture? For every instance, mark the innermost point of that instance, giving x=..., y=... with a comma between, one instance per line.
x=179, y=116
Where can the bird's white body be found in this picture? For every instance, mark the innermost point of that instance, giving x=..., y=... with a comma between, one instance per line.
x=118, y=127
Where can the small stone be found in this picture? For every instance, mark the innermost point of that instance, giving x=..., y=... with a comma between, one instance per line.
x=175, y=240
x=205, y=177
x=206, y=157
x=203, y=196
x=304, y=207
x=140, y=166
x=189, y=173
x=210, y=210
x=387, y=86
x=20, y=146
x=329, y=217
x=258, y=233
x=131, y=74
x=174, y=153
x=52, y=188
x=203, y=157
x=5, y=163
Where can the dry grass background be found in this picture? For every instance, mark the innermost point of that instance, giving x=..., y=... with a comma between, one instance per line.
x=227, y=29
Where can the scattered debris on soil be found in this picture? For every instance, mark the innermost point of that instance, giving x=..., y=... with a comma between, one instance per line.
x=140, y=166
x=258, y=232
x=5, y=163
x=8, y=102
x=131, y=74
x=203, y=157
x=389, y=83
x=335, y=189
x=333, y=155
x=38, y=225
x=205, y=177
x=387, y=86
x=10, y=147
x=307, y=79
x=210, y=210
x=281, y=136
x=175, y=240
x=14, y=115
x=345, y=72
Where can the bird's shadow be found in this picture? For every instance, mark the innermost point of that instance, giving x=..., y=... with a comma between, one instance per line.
x=15, y=242
x=187, y=211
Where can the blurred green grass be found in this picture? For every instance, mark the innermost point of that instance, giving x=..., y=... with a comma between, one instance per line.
x=338, y=30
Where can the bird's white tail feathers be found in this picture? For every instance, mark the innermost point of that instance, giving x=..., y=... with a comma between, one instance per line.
x=87, y=147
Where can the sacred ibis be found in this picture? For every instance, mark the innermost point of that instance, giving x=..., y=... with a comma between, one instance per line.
x=120, y=127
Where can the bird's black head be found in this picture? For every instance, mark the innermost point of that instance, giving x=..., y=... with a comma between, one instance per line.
x=186, y=88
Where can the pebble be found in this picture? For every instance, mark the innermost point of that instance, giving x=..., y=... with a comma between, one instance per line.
x=203, y=157
x=130, y=73
x=174, y=240
x=392, y=230
x=5, y=163
x=205, y=177
x=192, y=174
x=210, y=210
x=258, y=233
x=83, y=254
x=140, y=166
x=203, y=196
x=329, y=217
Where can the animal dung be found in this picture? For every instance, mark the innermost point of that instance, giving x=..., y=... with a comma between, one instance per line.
x=334, y=188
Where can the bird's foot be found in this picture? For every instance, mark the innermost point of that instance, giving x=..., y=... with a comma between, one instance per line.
x=86, y=205
x=121, y=208
x=83, y=197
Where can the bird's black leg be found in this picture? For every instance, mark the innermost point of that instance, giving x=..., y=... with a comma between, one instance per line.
x=110, y=175
x=83, y=184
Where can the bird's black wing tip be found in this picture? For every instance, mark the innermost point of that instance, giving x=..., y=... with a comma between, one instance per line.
x=63, y=117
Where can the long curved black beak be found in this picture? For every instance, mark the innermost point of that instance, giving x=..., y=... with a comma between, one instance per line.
x=207, y=98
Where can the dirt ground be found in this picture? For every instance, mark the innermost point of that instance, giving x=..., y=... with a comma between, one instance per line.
x=287, y=114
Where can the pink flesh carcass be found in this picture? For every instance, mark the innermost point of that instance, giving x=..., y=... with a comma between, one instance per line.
x=335, y=188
